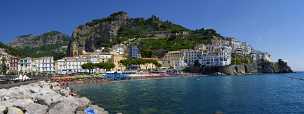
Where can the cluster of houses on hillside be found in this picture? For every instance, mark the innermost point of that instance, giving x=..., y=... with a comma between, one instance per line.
x=218, y=53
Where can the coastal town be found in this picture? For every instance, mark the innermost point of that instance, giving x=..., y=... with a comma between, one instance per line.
x=181, y=57
x=218, y=53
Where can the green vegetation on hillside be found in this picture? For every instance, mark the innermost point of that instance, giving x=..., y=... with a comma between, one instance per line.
x=51, y=43
x=10, y=50
x=156, y=47
x=139, y=27
x=240, y=59
x=55, y=50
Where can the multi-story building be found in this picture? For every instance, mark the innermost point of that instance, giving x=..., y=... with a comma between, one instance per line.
x=43, y=65
x=13, y=65
x=190, y=55
x=207, y=55
x=119, y=49
x=216, y=56
x=117, y=57
x=25, y=65
x=134, y=52
x=70, y=65
x=173, y=59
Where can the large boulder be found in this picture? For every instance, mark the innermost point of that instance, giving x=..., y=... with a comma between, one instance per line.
x=69, y=105
x=48, y=99
x=17, y=93
x=2, y=109
x=14, y=110
x=62, y=108
x=34, y=108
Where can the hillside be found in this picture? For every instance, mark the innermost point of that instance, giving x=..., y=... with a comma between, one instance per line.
x=118, y=28
x=9, y=49
x=47, y=44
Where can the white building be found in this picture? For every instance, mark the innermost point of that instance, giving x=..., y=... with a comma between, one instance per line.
x=190, y=55
x=43, y=65
x=216, y=56
x=173, y=59
x=119, y=48
x=25, y=65
x=208, y=55
x=71, y=65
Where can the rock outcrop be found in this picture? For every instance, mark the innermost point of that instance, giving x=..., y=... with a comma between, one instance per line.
x=43, y=98
x=53, y=37
x=260, y=67
x=277, y=67
x=240, y=69
x=96, y=34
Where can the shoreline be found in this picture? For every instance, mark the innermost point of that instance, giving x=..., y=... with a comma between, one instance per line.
x=99, y=80
x=67, y=83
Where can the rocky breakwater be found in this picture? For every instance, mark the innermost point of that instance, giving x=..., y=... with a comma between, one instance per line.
x=43, y=98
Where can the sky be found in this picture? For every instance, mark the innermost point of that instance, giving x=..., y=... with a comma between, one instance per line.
x=274, y=26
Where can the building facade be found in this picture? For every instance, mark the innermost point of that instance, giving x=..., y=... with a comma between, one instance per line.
x=216, y=56
x=134, y=52
x=13, y=65
x=25, y=65
x=173, y=59
x=43, y=65
x=71, y=65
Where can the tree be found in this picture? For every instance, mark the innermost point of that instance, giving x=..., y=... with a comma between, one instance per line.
x=130, y=61
x=89, y=66
x=107, y=65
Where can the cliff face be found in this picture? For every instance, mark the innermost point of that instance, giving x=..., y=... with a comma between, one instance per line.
x=48, y=38
x=96, y=34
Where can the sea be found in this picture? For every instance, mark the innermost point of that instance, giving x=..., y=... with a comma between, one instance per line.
x=248, y=94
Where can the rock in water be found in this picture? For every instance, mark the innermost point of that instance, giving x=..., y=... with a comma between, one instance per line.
x=14, y=110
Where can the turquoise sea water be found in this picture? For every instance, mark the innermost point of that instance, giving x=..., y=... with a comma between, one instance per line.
x=253, y=94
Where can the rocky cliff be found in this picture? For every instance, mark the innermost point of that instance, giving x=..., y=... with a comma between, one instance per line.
x=277, y=67
x=53, y=37
x=96, y=33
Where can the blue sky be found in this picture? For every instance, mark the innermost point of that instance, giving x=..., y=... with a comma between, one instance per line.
x=275, y=26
